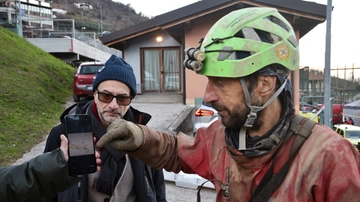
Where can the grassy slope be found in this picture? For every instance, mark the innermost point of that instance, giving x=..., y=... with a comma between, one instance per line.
x=34, y=86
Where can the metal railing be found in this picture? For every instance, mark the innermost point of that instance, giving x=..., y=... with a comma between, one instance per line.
x=319, y=111
x=62, y=28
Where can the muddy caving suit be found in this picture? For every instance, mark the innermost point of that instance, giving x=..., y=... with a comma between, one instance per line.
x=325, y=168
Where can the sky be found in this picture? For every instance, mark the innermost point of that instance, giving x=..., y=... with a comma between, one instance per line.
x=345, y=29
x=345, y=40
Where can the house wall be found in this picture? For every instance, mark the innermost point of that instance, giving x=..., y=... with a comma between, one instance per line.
x=132, y=53
x=195, y=83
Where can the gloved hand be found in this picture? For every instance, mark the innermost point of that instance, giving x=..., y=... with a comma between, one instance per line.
x=122, y=135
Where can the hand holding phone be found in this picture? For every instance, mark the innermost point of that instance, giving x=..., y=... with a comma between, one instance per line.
x=78, y=128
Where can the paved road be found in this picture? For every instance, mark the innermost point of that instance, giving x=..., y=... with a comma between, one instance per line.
x=180, y=194
x=165, y=111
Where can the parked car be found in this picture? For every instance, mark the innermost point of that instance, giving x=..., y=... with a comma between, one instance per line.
x=149, y=82
x=337, y=112
x=172, y=82
x=310, y=115
x=104, y=33
x=350, y=132
x=204, y=116
x=84, y=78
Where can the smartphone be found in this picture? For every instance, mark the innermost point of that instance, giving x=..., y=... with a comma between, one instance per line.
x=78, y=129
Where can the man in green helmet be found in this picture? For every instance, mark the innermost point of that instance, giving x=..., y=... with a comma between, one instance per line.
x=260, y=150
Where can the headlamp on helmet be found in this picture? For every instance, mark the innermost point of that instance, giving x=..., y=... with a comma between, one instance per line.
x=193, y=59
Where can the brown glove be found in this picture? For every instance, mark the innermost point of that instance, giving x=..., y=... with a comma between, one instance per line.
x=122, y=135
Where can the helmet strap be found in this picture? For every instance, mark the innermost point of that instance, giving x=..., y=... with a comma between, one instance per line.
x=242, y=138
x=251, y=117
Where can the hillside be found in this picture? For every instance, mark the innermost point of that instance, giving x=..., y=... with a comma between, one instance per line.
x=114, y=15
x=34, y=86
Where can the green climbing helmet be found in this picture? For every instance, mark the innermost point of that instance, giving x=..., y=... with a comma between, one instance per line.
x=247, y=40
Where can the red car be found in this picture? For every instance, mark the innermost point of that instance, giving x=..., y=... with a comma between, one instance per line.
x=84, y=78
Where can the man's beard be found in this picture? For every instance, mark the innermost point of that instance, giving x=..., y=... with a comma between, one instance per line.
x=108, y=119
x=238, y=117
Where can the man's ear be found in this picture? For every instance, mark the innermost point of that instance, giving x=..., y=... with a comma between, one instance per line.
x=267, y=84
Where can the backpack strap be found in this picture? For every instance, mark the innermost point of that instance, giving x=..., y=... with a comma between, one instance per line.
x=302, y=128
x=299, y=126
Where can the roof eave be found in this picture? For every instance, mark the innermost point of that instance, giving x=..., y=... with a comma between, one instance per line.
x=309, y=10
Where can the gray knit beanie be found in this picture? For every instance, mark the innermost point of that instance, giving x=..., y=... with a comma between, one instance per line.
x=116, y=69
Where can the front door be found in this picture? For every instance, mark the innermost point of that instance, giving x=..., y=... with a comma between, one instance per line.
x=161, y=70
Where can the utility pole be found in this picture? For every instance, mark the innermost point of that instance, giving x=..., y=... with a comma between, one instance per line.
x=101, y=26
x=19, y=19
x=327, y=93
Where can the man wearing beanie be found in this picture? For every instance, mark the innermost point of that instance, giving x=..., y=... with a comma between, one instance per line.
x=122, y=177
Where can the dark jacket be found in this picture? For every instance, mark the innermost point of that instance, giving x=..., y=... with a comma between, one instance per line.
x=38, y=179
x=149, y=184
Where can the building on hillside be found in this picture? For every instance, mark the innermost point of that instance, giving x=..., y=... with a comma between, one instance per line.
x=312, y=85
x=8, y=16
x=26, y=17
x=311, y=81
x=58, y=11
x=83, y=6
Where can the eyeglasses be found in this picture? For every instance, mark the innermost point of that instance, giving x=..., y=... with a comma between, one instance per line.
x=120, y=99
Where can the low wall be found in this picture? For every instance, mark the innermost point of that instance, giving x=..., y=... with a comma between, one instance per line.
x=184, y=122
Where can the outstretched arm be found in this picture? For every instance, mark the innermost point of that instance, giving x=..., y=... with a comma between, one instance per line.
x=155, y=148
x=40, y=178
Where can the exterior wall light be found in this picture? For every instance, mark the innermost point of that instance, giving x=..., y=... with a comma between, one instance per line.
x=159, y=39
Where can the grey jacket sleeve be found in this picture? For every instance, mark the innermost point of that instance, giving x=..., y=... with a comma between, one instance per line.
x=38, y=179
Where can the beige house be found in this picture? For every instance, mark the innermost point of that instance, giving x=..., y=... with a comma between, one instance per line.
x=155, y=48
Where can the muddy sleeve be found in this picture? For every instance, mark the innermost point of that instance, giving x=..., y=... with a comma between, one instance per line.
x=38, y=179
x=159, y=150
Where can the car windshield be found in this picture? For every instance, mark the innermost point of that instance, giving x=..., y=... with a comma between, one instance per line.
x=90, y=69
x=352, y=134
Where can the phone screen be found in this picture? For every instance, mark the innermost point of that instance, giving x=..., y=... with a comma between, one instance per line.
x=81, y=144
